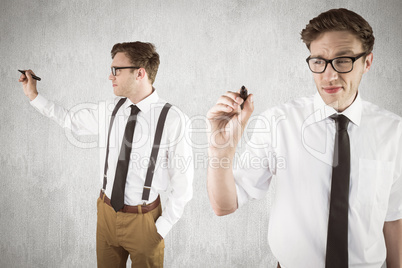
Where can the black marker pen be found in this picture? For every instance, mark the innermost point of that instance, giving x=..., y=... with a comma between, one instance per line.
x=33, y=76
x=243, y=95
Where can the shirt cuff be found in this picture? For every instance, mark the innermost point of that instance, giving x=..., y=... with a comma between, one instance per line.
x=394, y=216
x=241, y=197
x=163, y=226
x=39, y=101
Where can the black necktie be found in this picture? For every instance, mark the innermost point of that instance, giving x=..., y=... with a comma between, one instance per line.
x=119, y=184
x=337, y=239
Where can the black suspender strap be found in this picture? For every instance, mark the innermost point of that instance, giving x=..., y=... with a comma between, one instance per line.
x=118, y=105
x=154, y=153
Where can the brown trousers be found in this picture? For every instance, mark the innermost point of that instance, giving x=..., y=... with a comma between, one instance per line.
x=121, y=234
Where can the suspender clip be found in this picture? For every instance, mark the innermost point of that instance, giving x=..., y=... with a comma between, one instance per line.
x=145, y=194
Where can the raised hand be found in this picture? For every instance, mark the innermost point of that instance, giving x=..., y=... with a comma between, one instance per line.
x=227, y=122
x=29, y=84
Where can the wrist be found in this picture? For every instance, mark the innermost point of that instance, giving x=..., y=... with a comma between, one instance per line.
x=227, y=152
x=220, y=158
x=32, y=96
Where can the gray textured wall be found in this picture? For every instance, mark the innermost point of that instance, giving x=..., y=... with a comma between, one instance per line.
x=49, y=185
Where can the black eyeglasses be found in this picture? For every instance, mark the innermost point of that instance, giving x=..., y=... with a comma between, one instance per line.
x=340, y=64
x=118, y=68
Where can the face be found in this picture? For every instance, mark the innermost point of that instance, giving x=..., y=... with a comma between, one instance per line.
x=125, y=83
x=339, y=90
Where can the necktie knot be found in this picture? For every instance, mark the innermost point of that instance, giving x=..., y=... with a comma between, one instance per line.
x=134, y=109
x=341, y=122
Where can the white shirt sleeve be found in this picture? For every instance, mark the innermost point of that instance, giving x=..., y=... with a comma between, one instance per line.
x=181, y=173
x=254, y=169
x=82, y=120
x=395, y=198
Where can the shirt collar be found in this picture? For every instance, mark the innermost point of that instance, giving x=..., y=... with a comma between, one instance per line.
x=323, y=111
x=145, y=104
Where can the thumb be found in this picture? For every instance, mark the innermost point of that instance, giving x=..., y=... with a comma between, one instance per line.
x=28, y=75
x=248, y=109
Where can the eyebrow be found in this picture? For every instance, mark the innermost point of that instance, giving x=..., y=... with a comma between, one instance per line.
x=344, y=53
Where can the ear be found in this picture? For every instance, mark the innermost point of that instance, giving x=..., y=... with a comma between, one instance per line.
x=368, y=62
x=142, y=74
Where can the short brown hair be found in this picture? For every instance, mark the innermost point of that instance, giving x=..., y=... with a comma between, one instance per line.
x=140, y=54
x=339, y=20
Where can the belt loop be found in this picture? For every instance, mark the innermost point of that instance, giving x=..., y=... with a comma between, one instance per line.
x=139, y=209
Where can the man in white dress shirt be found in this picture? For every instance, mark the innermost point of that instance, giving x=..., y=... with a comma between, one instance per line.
x=138, y=226
x=295, y=142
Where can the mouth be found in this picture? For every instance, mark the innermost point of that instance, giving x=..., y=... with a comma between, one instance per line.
x=114, y=85
x=332, y=89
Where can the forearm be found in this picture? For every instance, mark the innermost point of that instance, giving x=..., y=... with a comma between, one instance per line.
x=221, y=184
x=226, y=123
x=81, y=122
x=49, y=109
x=393, y=240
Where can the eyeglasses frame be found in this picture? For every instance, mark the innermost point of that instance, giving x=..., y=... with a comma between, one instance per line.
x=330, y=61
x=119, y=68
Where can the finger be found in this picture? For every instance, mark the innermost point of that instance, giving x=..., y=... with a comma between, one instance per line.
x=247, y=109
x=28, y=75
x=219, y=109
x=235, y=96
x=239, y=99
x=228, y=101
x=249, y=103
x=22, y=78
x=224, y=108
x=30, y=72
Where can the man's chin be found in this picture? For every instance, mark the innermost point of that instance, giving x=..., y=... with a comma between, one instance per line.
x=338, y=104
x=334, y=104
x=117, y=92
x=331, y=100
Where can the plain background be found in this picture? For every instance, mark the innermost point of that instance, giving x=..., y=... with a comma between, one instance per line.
x=49, y=185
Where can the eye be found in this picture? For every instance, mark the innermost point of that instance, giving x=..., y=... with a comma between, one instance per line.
x=342, y=61
x=317, y=61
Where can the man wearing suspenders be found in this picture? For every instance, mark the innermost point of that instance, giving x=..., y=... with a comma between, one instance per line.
x=146, y=137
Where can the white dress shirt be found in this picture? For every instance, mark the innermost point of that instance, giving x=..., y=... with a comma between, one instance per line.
x=295, y=142
x=174, y=169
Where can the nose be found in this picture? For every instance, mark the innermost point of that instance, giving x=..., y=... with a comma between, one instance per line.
x=111, y=76
x=330, y=74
